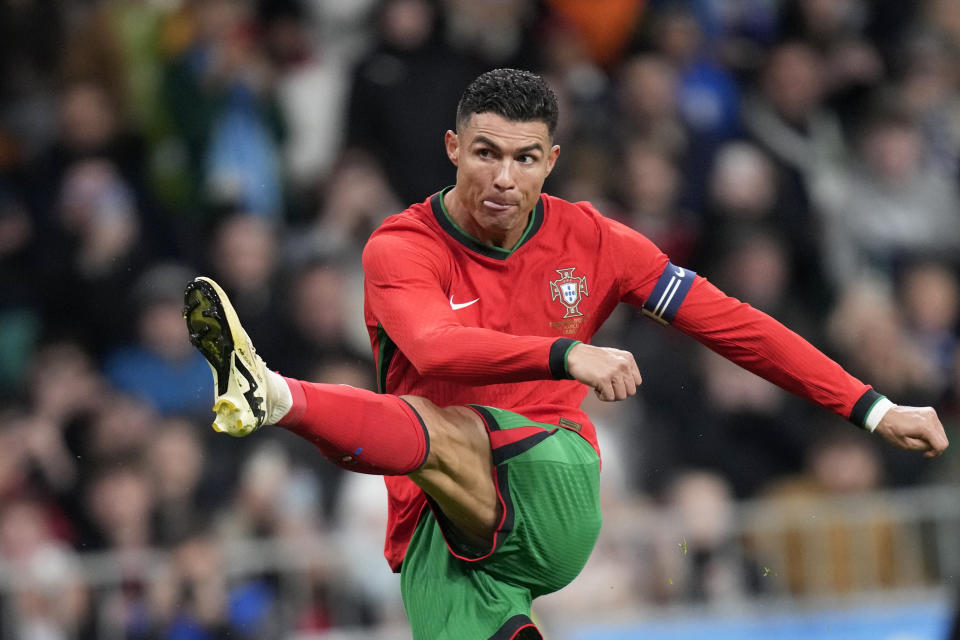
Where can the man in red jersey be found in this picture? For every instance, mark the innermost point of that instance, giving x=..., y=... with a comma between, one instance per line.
x=480, y=302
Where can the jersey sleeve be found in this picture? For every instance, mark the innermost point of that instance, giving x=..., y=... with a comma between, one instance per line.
x=677, y=296
x=760, y=344
x=639, y=262
x=404, y=285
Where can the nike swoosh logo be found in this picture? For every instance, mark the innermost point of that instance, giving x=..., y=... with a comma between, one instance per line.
x=461, y=305
x=254, y=402
x=680, y=272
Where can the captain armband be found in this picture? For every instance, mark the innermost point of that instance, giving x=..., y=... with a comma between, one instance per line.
x=668, y=293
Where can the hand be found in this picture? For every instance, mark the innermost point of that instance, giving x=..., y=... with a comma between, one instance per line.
x=914, y=428
x=612, y=373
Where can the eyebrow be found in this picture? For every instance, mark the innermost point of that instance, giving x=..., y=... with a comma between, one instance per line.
x=482, y=139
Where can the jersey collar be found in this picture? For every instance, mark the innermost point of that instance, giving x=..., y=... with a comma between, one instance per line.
x=461, y=236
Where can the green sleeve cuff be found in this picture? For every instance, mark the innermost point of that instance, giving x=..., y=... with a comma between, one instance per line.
x=559, y=351
x=861, y=409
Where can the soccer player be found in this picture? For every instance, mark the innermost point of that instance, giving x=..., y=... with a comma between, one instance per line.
x=480, y=303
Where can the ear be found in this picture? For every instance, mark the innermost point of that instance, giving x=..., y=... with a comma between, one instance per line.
x=552, y=157
x=452, y=143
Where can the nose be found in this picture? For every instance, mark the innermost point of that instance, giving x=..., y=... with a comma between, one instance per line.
x=503, y=180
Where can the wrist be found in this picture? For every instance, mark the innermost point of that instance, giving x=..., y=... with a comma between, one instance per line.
x=871, y=405
x=876, y=413
x=559, y=352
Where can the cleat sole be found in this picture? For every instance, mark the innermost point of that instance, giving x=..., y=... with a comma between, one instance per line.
x=214, y=330
x=209, y=332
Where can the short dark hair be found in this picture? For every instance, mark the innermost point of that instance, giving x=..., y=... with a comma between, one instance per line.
x=514, y=94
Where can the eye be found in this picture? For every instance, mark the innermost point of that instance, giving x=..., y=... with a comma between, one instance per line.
x=526, y=158
x=485, y=153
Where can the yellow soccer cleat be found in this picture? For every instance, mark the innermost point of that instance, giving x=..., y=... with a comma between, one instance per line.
x=239, y=374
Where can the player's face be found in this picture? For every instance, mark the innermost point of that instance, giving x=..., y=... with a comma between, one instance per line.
x=501, y=166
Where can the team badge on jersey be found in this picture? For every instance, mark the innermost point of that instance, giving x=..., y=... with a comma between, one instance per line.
x=570, y=290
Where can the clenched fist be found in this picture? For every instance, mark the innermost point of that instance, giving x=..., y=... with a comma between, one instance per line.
x=612, y=373
x=914, y=428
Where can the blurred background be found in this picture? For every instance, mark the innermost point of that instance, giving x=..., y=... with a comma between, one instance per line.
x=803, y=154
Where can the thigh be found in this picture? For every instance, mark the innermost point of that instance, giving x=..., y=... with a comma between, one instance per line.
x=458, y=473
x=547, y=483
x=550, y=484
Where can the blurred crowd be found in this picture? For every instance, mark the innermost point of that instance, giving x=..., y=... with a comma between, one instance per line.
x=802, y=154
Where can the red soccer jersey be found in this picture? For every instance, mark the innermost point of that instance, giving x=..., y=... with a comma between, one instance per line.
x=461, y=322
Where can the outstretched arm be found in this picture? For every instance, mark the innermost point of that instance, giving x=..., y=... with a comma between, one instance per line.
x=757, y=342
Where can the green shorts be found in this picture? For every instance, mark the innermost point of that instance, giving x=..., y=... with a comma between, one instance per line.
x=548, y=482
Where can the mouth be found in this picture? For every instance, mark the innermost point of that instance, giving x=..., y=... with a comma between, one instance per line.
x=497, y=205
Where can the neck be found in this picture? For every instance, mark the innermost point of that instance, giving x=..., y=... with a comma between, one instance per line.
x=501, y=238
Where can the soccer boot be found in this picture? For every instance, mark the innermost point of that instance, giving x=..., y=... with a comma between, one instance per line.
x=239, y=374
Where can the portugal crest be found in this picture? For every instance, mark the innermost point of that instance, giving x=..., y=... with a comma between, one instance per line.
x=570, y=289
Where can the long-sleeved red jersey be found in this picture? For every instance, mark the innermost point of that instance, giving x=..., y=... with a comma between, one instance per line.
x=461, y=322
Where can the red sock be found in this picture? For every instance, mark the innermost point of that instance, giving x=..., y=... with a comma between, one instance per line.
x=356, y=429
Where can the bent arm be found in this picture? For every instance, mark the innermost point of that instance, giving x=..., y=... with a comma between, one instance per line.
x=404, y=282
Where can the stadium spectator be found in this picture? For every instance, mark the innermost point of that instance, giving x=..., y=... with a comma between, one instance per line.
x=371, y=589
x=196, y=601
x=785, y=116
x=751, y=432
x=498, y=33
x=887, y=207
x=866, y=329
x=156, y=367
x=50, y=599
x=319, y=299
x=257, y=500
x=929, y=293
x=20, y=299
x=853, y=67
x=832, y=553
x=120, y=500
x=605, y=28
x=581, y=86
x=353, y=202
x=32, y=42
x=307, y=67
x=743, y=188
x=245, y=250
x=647, y=86
x=218, y=93
x=408, y=85
x=708, y=96
x=928, y=87
x=95, y=219
x=181, y=479
x=64, y=391
x=698, y=558
x=650, y=186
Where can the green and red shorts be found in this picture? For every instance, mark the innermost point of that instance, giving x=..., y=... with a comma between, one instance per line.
x=548, y=479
